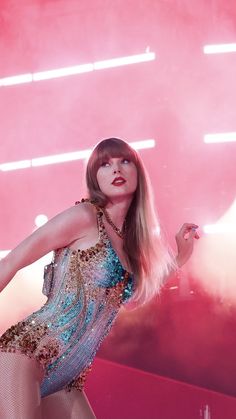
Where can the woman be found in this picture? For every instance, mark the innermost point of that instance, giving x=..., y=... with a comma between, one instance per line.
x=107, y=251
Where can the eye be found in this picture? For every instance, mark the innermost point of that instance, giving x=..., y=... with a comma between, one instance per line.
x=125, y=161
x=105, y=164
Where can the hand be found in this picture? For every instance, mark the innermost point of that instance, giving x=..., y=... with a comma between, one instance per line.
x=185, y=242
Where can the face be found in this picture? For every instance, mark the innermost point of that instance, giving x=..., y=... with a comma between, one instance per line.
x=117, y=177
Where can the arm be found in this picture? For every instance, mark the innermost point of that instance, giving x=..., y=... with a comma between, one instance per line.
x=60, y=231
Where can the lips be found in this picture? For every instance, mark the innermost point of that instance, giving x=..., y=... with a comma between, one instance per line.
x=118, y=181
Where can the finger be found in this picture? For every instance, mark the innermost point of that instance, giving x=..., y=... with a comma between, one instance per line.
x=191, y=234
x=187, y=229
x=190, y=225
x=196, y=235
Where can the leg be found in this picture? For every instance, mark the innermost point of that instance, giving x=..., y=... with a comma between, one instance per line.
x=67, y=405
x=19, y=387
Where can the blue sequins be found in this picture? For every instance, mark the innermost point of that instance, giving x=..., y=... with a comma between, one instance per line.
x=89, y=287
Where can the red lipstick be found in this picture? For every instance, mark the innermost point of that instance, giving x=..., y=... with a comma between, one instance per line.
x=118, y=181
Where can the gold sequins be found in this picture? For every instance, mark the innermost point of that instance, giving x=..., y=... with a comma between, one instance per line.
x=85, y=295
x=25, y=337
x=79, y=382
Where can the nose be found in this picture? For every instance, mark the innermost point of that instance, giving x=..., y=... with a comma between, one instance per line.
x=116, y=168
x=116, y=171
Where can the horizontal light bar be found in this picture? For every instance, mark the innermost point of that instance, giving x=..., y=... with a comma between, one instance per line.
x=223, y=137
x=22, y=164
x=78, y=69
x=140, y=145
x=61, y=158
x=219, y=48
x=62, y=72
x=219, y=228
x=116, y=62
x=65, y=157
x=20, y=79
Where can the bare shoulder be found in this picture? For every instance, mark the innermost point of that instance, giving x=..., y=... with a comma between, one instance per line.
x=84, y=212
x=58, y=232
x=67, y=226
x=80, y=215
x=76, y=221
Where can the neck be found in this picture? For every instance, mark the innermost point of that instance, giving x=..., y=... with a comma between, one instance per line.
x=118, y=209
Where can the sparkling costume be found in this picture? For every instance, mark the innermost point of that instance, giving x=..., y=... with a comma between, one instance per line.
x=85, y=289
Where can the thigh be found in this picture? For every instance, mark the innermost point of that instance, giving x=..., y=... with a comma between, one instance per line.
x=67, y=405
x=20, y=379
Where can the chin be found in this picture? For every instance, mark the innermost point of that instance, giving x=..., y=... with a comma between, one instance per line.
x=120, y=194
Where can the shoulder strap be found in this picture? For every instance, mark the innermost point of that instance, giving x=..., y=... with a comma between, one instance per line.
x=101, y=226
x=91, y=201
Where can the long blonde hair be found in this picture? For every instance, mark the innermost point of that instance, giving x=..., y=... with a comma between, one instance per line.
x=150, y=258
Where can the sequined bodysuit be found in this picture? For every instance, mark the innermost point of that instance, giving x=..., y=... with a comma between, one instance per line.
x=85, y=291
